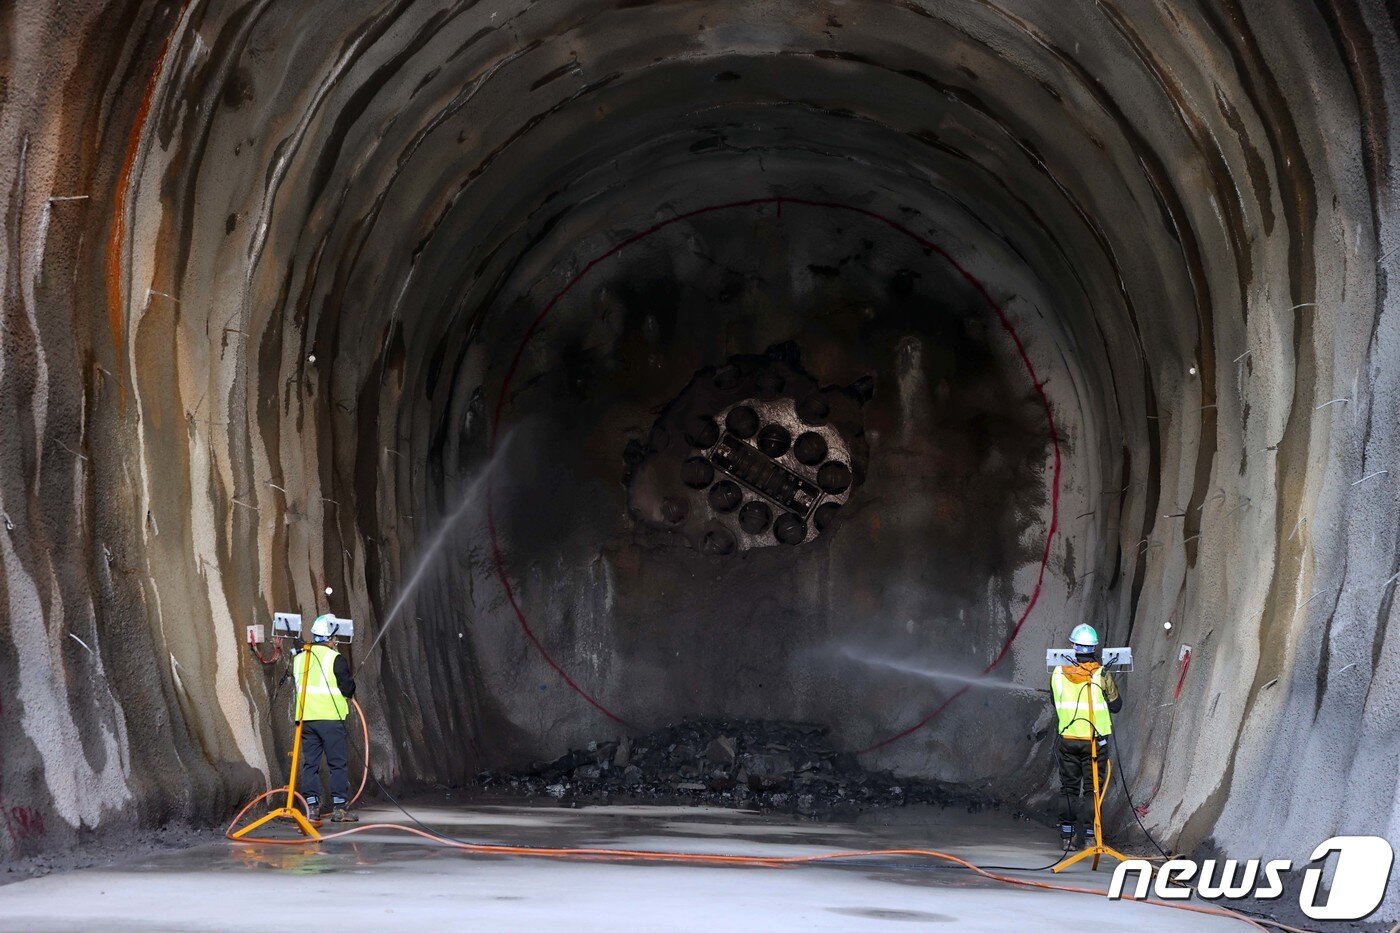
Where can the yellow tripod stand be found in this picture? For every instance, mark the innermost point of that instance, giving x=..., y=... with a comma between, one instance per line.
x=1098, y=848
x=290, y=810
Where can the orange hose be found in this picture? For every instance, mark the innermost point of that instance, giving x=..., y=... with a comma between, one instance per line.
x=263, y=796
x=365, y=727
x=1107, y=780
x=774, y=861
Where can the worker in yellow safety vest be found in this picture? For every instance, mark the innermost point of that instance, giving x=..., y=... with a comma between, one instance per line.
x=329, y=688
x=1072, y=686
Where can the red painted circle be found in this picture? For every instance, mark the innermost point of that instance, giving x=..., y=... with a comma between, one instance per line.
x=754, y=202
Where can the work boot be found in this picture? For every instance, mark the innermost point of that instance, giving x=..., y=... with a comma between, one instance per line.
x=1067, y=837
x=342, y=815
x=313, y=810
x=1088, y=834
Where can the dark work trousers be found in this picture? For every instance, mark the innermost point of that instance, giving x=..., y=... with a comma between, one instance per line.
x=1077, y=775
x=323, y=736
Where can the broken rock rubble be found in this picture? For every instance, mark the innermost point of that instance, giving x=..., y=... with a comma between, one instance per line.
x=736, y=763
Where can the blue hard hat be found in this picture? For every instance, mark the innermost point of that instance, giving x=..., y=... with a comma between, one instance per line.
x=1084, y=639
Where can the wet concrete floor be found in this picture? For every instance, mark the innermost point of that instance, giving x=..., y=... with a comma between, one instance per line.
x=382, y=879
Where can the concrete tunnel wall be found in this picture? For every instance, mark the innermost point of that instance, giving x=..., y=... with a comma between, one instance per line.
x=281, y=280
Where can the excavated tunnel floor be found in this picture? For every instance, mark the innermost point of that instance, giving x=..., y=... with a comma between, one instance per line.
x=380, y=881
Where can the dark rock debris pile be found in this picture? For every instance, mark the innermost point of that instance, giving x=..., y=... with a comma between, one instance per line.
x=756, y=764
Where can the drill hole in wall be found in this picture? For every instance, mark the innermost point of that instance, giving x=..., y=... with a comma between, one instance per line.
x=774, y=440
x=697, y=473
x=674, y=509
x=810, y=448
x=701, y=432
x=769, y=382
x=813, y=410
x=742, y=421
x=725, y=496
x=789, y=529
x=834, y=477
x=719, y=542
x=754, y=517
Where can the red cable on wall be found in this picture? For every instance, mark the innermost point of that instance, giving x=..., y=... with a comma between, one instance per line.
x=1181, y=680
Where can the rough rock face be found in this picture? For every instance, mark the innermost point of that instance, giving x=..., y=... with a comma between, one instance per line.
x=282, y=279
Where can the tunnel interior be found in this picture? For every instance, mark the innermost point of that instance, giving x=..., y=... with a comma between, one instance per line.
x=619, y=363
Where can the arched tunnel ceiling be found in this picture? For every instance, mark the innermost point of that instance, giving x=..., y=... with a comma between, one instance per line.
x=288, y=283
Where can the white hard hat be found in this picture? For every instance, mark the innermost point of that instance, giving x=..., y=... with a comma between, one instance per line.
x=1084, y=638
x=324, y=626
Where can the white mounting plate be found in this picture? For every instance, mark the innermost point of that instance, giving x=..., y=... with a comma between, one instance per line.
x=343, y=629
x=1118, y=659
x=286, y=624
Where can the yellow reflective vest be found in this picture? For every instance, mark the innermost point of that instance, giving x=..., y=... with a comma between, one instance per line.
x=1072, y=705
x=323, y=697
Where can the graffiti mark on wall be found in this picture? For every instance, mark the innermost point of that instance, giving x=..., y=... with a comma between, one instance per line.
x=23, y=823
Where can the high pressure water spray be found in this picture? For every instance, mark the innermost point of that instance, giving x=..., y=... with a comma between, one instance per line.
x=469, y=498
